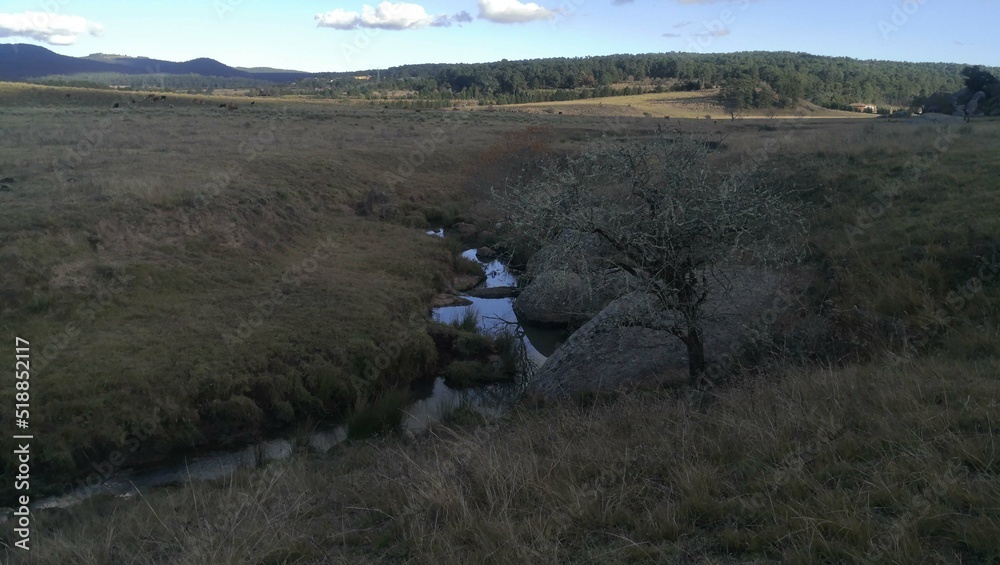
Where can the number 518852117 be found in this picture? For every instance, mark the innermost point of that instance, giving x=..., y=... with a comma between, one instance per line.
x=22, y=372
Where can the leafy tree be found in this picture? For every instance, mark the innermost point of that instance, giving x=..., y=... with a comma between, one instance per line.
x=737, y=95
x=977, y=79
x=670, y=220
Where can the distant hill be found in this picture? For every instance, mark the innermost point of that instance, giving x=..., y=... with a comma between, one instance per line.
x=19, y=62
x=257, y=70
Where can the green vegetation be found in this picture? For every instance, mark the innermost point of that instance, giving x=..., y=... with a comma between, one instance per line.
x=469, y=320
x=831, y=82
x=977, y=79
x=864, y=428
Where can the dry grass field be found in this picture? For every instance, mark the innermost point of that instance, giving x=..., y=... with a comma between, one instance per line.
x=686, y=105
x=134, y=239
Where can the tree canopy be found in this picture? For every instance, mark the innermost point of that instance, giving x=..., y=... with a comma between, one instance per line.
x=977, y=79
x=670, y=221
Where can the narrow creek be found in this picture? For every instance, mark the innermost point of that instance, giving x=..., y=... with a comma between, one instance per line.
x=432, y=401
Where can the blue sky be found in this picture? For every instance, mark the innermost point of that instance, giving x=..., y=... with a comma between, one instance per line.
x=325, y=35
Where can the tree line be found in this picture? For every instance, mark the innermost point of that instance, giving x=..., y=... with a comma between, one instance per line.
x=832, y=82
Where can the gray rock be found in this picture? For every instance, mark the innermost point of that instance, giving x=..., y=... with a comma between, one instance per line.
x=493, y=292
x=604, y=355
x=554, y=298
x=973, y=105
x=486, y=254
x=962, y=96
x=939, y=103
x=568, y=282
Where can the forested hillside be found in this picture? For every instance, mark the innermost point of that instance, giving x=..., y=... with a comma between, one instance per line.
x=832, y=82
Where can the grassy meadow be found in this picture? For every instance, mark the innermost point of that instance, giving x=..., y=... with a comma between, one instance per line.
x=686, y=105
x=865, y=432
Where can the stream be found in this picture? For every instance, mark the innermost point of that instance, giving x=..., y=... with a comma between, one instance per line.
x=433, y=400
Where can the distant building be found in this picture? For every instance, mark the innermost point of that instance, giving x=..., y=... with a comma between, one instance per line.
x=866, y=108
x=363, y=77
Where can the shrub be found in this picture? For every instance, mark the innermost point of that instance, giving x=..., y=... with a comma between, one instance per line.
x=385, y=414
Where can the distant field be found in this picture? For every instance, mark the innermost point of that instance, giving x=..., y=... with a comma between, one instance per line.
x=672, y=104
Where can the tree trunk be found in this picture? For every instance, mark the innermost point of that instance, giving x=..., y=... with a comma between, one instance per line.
x=696, y=355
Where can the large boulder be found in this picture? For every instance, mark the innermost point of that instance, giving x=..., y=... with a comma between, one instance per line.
x=568, y=282
x=973, y=106
x=604, y=354
x=553, y=298
x=962, y=96
x=940, y=103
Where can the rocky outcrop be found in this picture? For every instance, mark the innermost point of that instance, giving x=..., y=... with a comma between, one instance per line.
x=939, y=103
x=550, y=299
x=973, y=106
x=605, y=355
x=569, y=282
x=965, y=102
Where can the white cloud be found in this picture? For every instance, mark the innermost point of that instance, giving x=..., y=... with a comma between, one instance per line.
x=512, y=11
x=338, y=19
x=54, y=29
x=387, y=15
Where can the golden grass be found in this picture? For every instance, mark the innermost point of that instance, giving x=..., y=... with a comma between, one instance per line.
x=686, y=105
x=892, y=464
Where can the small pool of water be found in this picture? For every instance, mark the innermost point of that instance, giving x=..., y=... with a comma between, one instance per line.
x=433, y=400
x=497, y=314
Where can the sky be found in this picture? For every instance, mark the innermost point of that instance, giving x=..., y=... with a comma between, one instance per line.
x=327, y=35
